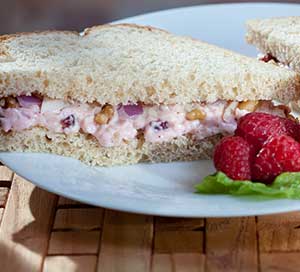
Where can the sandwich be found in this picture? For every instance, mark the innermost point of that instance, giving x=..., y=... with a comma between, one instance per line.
x=278, y=42
x=123, y=94
x=277, y=39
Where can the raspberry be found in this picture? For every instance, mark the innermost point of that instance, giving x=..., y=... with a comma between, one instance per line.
x=279, y=154
x=257, y=127
x=232, y=156
x=292, y=128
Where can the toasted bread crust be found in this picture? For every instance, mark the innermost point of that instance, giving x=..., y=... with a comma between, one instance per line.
x=120, y=63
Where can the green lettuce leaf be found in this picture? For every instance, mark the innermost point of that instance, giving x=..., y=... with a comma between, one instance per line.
x=286, y=185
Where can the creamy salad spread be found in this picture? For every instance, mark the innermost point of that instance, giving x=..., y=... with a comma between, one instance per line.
x=115, y=125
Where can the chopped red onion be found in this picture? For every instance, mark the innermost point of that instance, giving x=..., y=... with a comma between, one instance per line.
x=134, y=109
x=27, y=101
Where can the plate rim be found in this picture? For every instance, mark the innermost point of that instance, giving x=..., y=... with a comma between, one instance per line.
x=144, y=211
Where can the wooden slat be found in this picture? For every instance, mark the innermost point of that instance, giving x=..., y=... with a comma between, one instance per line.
x=174, y=235
x=69, y=203
x=231, y=244
x=126, y=242
x=162, y=263
x=74, y=242
x=279, y=232
x=178, y=224
x=3, y=196
x=70, y=263
x=279, y=262
x=183, y=262
x=191, y=262
x=78, y=219
x=178, y=243
x=5, y=173
x=25, y=227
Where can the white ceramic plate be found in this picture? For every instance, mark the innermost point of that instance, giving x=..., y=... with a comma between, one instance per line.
x=161, y=189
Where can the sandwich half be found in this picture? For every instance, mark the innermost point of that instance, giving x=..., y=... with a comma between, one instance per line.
x=123, y=94
x=278, y=39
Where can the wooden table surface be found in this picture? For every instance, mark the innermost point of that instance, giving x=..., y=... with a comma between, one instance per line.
x=40, y=231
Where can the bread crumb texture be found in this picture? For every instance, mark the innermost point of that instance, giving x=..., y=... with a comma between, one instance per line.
x=87, y=149
x=121, y=63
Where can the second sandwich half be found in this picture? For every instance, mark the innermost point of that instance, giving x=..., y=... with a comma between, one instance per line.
x=122, y=94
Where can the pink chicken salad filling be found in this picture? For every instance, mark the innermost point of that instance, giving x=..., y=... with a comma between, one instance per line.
x=115, y=125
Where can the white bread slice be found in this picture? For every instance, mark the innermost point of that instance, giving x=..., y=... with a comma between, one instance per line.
x=120, y=63
x=87, y=149
x=278, y=36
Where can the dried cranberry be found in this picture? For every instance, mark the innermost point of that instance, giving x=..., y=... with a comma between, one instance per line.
x=268, y=58
x=159, y=125
x=164, y=125
x=68, y=121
